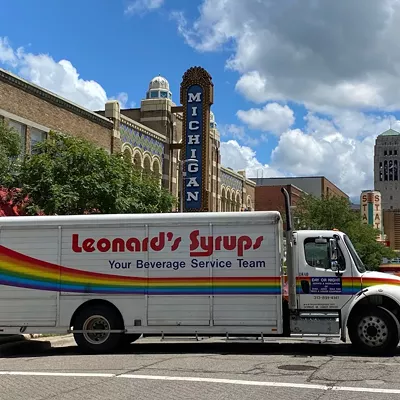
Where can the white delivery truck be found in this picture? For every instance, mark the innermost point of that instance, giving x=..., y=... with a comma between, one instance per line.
x=110, y=278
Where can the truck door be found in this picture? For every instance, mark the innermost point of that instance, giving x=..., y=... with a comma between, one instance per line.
x=318, y=287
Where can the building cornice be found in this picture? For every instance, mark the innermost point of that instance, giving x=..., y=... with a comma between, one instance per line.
x=142, y=128
x=237, y=176
x=250, y=182
x=52, y=98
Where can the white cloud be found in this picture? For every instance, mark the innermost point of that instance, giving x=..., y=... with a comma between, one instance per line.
x=238, y=157
x=7, y=54
x=346, y=162
x=59, y=77
x=123, y=99
x=143, y=6
x=239, y=133
x=340, y=148
x=339, y=53
x=271, y=118
x=340, y=60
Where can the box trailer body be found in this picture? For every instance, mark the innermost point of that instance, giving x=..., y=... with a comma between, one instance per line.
x=110, y=278
x=205, y=273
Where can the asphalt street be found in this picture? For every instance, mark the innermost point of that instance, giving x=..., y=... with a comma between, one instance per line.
x=208, y=369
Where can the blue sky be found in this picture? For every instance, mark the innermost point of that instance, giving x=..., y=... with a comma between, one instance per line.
x=300, y=89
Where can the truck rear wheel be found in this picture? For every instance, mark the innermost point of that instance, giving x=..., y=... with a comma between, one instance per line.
x=98, y=317
x=373, y=331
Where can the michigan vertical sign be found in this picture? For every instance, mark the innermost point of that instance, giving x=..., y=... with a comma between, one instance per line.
x=196, y=97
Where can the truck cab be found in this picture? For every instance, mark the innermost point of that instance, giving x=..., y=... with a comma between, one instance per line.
x=334, y=293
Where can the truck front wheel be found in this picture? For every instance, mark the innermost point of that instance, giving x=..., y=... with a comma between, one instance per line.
x=373, y=331
x=99, y=318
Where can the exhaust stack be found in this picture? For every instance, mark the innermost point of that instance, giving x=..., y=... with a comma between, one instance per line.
x=289, y=253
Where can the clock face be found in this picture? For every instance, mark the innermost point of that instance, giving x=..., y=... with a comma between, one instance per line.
x=164, y=95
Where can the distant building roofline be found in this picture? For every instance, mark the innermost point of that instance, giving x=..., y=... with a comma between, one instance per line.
x=259, y=180
x=288, y=184
x=390, y=132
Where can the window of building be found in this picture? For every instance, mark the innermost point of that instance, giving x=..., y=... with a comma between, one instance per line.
x=37, y=136
x=385, y=171
x=380, y=171
x=390, y=170
x=21, y=129
x=385, y=153
x=390, y=152
x=395, y=171
x=395, y=152
x=317, y=255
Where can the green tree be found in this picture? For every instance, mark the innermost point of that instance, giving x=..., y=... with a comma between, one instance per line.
x=67, y=175
x=10, y=149
x=335, y=213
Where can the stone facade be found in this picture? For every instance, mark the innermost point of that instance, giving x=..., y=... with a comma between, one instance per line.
x=158, y=137
x=386, y=169
x=391, y=224
x=150, y=136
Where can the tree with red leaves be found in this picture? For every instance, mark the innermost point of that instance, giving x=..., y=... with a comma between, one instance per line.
x=12, y=200
x=13, y=203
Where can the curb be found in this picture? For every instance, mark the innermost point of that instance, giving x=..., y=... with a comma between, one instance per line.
x=59, y=341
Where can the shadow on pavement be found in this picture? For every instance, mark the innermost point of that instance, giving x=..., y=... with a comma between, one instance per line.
x=294, y=349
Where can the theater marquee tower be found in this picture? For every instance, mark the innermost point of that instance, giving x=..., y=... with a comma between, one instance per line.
x=197, y=96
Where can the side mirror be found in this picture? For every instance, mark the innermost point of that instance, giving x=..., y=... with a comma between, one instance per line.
x=333, y=251
x=333, y=255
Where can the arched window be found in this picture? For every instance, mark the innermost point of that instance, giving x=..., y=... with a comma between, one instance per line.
x=137, y=160
x=249, y=203
x=228, y=200
x=390, y=170
x=385, y=170
x=127, y=154
x=223, y=199
x=238, y=202
x=157, y=169
x=147, y=165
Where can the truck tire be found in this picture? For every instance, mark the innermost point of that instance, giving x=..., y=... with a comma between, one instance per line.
x=98, y=317
x=373, y=331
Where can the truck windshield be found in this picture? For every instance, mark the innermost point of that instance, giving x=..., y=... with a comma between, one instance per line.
x=357, y=260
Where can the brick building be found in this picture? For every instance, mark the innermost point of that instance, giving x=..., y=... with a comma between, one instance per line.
x=150, y=135
x=270, y=198
x=34, y=111
x=317, y=186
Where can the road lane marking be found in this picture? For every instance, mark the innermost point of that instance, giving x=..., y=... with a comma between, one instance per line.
x=289, y=385
x=262, y=383
x=63, y=374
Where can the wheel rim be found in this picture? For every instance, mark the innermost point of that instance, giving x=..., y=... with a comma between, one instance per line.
x=96, y=322
x=373, y=331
